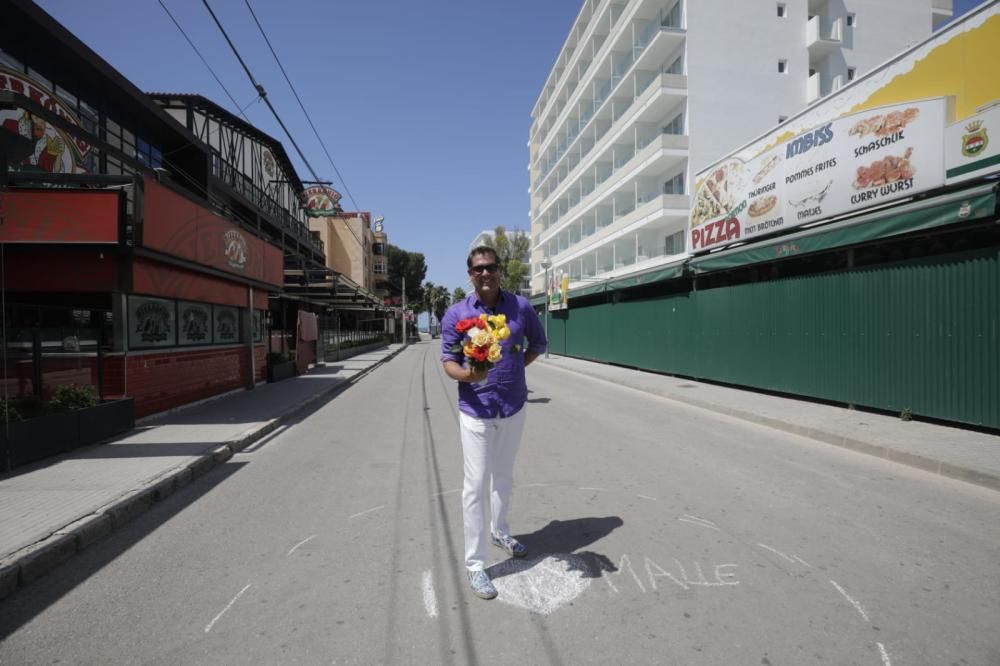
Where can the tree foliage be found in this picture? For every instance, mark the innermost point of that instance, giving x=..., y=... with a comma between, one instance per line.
x=458, y=295
x=436, y=300
x=511, y=250
x=410, y=264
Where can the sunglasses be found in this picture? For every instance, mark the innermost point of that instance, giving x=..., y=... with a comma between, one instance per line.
x=484, y=268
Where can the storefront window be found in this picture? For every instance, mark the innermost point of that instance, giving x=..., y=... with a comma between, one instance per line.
x=195, y=323
x=151, y=323
x=258, y=325
x=227, y=324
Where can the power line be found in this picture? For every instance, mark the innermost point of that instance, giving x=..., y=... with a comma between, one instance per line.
x=205, y=62
x=260, y=90
x=302, y=106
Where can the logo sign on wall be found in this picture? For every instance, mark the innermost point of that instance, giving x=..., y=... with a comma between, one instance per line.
x=972, y=148
x=54, y=151
x=847, y=164
x=150, y=322
x=234, y=248
x=321, y=201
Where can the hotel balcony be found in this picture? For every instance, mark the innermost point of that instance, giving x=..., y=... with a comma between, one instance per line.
x=823, y=38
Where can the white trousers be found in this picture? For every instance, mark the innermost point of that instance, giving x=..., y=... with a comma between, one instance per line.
x=489, y=447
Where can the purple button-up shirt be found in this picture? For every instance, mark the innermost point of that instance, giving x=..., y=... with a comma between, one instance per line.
x=504, y=392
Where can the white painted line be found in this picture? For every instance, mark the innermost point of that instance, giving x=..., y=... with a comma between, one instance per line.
x=448, y=492
x=646, y=497
x=701, y=522
x=301, y=543
x=802, y=561
x=380, y=506
x=599, y=489
x=208, y=627
x=884, y=654
x=854, y=603
x=776, y=552
x=533, y=485
x=430, y=599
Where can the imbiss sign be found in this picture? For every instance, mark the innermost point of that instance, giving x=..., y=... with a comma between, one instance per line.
x=850, y=163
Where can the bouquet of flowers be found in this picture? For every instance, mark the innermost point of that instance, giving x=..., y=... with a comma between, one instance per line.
x=481, y=341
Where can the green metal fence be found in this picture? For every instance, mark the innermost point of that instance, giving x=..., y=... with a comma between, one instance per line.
x=919, y=335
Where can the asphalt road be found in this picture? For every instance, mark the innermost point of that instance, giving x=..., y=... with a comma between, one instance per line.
x=659, y=533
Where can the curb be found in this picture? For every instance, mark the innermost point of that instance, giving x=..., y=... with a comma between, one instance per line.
x=32, y=562
x=949, y=470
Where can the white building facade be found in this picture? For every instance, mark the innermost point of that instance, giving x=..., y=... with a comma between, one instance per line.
x=646, y=93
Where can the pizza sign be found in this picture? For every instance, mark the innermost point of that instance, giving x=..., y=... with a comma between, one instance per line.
x=321, y=201
x=54, y=150
x=842, y=165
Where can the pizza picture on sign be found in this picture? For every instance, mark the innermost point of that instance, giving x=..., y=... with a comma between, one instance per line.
x=768, y=166
x=718, y=193
x=763, y=206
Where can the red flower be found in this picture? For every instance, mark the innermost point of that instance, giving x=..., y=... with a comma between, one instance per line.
x=481, y=354
x=464, y=325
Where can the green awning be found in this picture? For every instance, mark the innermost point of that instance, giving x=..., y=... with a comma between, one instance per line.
x=658, y=275
x=964, y=206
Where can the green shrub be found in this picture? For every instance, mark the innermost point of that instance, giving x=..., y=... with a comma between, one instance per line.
x=8, y=412
x=72, y=396
x=906, y=415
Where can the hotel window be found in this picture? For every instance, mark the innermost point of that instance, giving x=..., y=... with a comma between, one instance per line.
x=674, y=185
x=782, y=67
x=675, y=126
x=851, y=72
x=782, y=11
x=852, y=20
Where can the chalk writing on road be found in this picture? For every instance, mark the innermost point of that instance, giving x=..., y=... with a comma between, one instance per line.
x=678, y=575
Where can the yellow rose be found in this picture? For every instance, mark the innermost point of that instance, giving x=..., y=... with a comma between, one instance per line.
x=494, y=353
x=498, y=321
x=502, y=333
x=481, y=338
x=469, y=349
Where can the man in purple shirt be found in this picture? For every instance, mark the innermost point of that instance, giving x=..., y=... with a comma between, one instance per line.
x=491, y=411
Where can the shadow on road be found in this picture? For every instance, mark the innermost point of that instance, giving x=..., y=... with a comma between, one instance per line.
x=561, y=537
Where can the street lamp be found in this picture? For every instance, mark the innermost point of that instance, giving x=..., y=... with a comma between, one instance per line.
x=546, y=264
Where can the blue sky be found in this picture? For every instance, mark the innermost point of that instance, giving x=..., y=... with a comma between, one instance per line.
x=424, y=106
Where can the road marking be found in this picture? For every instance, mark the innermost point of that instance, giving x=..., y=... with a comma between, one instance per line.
x=802, y=561
x=695, y=520
x=885, y=655
x=534, y=485
x=301, y=543
x=598, y=489
x=776, y=552
x=542, y=584
x=430, y=599
x=854, y=603
x=376, y=508
x=208, y=627
x=448, y=492
x=646, y=497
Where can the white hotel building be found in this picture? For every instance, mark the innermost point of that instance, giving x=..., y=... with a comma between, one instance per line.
x=646, y=93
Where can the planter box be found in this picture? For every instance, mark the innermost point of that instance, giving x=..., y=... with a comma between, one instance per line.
x=106, y=420
x=52, y=434
x=279, y=371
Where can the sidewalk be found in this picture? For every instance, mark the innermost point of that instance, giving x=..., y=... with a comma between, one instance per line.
x=950, y=451
x=55, y=507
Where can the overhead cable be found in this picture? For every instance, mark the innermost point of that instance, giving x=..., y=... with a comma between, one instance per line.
x=205, y=62
x=260, y=90
x=302, y=106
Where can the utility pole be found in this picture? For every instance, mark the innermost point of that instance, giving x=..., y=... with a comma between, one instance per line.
x=405, y=332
